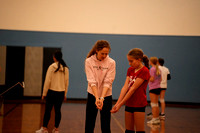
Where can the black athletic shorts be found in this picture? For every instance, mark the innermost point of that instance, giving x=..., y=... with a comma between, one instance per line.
x=163, y=88
x=155, y=91
x=135, y=109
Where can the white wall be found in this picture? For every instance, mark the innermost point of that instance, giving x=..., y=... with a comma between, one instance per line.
x=145, y=17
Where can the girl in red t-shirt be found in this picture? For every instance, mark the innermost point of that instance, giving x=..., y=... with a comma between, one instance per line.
x=133, y=93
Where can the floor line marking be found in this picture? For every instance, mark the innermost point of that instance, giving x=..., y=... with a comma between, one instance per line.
x=118, y=123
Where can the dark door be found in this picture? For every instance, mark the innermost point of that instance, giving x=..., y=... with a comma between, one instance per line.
x=15, y=58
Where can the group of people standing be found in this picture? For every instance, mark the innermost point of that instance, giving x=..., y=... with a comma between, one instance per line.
x=157, y=88
x=100, y=71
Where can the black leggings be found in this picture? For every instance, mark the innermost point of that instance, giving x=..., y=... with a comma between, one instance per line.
x=53, y=99
x=91, y=114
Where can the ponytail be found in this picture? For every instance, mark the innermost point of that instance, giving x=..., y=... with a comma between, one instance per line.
x=157, y=70
x=58, y=56
x=92, y=51
x=146, y=61
x=154, y=61
x=58, y=67
x=61, y=62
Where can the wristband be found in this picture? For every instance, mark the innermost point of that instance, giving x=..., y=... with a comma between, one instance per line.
x=93, y=85
x=101, y=98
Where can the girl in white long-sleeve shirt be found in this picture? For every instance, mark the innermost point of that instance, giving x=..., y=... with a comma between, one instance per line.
x=55, y=91
x=163, y=85
x=100, y=72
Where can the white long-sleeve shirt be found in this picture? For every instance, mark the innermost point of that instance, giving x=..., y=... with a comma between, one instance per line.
x=100, y=73
x=56, y=81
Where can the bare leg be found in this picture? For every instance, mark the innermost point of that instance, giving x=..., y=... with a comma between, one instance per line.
x=129, y=121
x=162, y=96
x=155, y=110
x=139, y=118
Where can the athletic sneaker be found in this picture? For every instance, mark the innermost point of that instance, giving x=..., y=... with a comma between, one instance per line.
x=149, y=116
x=154, y=127
x=154, y=121
x=162, y=116
x=55, y=130
x=42, y=130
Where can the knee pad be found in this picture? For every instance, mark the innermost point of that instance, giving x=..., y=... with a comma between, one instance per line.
x=162, y=100
x=154, y=105
x=129, y=131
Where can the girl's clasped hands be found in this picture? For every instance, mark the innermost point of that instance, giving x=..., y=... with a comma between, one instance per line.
x=99, y=103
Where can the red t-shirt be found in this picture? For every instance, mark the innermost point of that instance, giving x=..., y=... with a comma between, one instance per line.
x=139, y=98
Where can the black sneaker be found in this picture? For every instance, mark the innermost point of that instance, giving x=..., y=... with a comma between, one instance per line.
x=149, y=116
x=162, y=116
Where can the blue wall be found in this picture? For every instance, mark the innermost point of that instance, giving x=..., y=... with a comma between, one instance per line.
x=181, y=54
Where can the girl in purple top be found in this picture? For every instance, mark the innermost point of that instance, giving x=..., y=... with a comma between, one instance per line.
x=154, y=89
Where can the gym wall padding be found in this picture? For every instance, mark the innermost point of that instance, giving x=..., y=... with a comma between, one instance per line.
x=181, y=54
x=33, y=71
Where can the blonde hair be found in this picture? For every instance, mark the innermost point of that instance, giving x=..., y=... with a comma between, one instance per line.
x=154, y=60
x=99, y=45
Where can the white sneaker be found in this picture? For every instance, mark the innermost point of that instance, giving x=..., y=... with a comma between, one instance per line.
x=42, y=130
x=162, y=116
x=55, y=130
x=154, y=127
x=154, y=121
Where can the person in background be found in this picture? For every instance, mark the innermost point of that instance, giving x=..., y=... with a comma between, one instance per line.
x=165, y=74
x=154, y=90
x=55, y=90
x=100, y=72
x=133, y=93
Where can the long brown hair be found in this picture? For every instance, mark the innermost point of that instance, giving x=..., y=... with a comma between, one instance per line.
x=99, y=45
x=154, y=60
x=137, y=53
